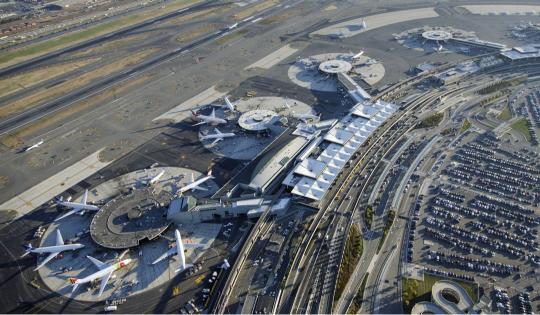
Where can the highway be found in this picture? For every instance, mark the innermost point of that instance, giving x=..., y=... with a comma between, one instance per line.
x=12, y=123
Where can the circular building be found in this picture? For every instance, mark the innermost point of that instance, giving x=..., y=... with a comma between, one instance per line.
x=437, y=35
x=127, y=220
x=257, y=120
x=334, y=66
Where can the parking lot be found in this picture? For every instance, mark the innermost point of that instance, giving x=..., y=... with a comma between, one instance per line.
x=479, y=219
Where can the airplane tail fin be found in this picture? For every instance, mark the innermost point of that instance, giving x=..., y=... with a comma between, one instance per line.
x=73, y=281
x=194, y=113
x=27, y=249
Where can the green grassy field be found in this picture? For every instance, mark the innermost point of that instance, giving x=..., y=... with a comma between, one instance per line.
x=521, y=127
x=86, y=34
x=505, y=114
x=466, y=125
x=351, y=255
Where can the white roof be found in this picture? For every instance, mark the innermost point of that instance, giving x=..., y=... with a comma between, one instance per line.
x=346, y=137
x=310, y=168
x=337, y=135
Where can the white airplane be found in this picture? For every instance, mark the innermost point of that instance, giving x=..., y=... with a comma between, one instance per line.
x=358, y=55
x=156, y=178
x=104, y=273
x=77, y=207
x=227, y=104
x=307, y=117
x=205, y=119
x=35, y=145
x=178, y=248
x=53, y=251
x=218, y=136
x=195, y=184
x=235, y=25
x=287, y=102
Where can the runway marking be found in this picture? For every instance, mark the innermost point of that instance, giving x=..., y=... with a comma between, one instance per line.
x=181, y=111
x=376, y=21
x=273, y=58
x=37, y=195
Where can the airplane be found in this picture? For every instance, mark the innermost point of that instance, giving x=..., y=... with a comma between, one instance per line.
x=104, y=273
x=194, y=185
x=287, y=102
x=77, y=207
x=178, y=248
x=211, y=119
x=35, y=145
x=235, y=25
x=358, y=55
x=53, y=251
x=307, y=117
x=155, y=178
x=228, y=104
x=218, y=136
x=225, y=265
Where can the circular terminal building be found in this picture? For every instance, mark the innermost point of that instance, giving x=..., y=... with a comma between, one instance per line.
x=334, y=66
x=437, y=35
x=257, y=120
x=127, y=220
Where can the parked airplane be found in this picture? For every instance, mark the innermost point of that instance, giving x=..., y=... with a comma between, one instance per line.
x=178, y=248
x=195, y=184
x=218, y=136
x=155, y=178
x=35, y=145
x=77, y=207
x=205, y=119
x=104, y=273
x=307, y=117
x=358, y=55
x=53, y=251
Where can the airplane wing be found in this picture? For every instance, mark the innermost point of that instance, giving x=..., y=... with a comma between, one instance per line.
x=47, y=259
x=217, y=131
x=85, y=197
x=104, y=281
x=98, y=263
x=217, y=140
x=168, y=253
x=67, y=214
x=200, y=123
x=59, y=239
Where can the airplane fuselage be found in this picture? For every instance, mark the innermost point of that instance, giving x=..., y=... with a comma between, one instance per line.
x=217, y=136
x=195, y=183
x=99, y=274
x=211, y=120
x=55, y=248
x=78, y=206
